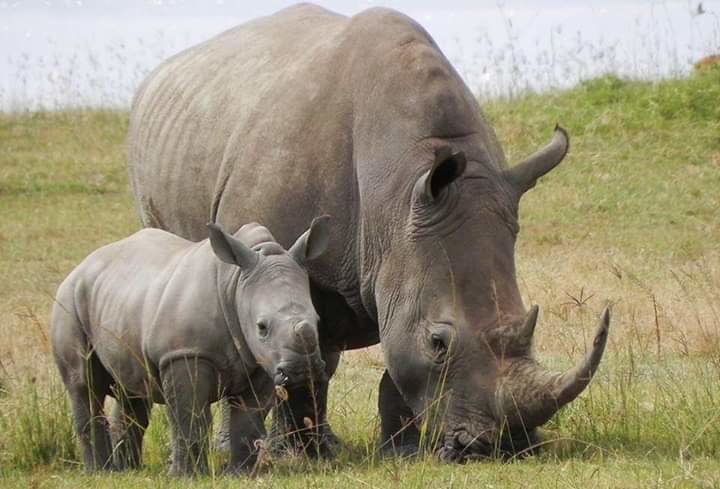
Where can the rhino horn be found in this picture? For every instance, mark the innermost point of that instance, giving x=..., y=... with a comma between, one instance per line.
x=524, y=175
x=571, y=383
x=539, y=394
x=306, y=335
x=527, y=330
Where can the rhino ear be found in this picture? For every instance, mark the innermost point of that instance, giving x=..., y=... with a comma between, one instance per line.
x=447, y=168
x=231, y=250
x=313, y=242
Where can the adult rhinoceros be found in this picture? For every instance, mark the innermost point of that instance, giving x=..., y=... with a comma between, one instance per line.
x=307, y=112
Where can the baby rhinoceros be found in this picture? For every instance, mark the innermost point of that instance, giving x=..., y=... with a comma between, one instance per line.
x=157, y=318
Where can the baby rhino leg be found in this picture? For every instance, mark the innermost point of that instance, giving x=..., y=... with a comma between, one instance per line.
x=86, y=380
x=189, y=384
x=87, y=391
x=130, y=420
x=246, y=426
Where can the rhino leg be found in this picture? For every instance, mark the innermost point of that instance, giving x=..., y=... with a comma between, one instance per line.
x=87, y=383
x=188, y=387
x=222, y=439
x=399, y=434
x=332, y=360
x=92, y=428
x=328, y=437
x=289, y=432
x=130, y=420
x=246, y=425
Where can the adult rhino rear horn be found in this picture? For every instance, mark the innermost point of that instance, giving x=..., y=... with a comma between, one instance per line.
x=524, y=175
x=530, y=394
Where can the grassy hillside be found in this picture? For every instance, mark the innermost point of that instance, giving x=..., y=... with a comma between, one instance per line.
x=632, y=217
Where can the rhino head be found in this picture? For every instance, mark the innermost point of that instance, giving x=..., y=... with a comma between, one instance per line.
x=456, y=336
x=273, y=304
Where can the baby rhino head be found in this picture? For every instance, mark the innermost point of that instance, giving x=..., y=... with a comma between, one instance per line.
x=272, y=299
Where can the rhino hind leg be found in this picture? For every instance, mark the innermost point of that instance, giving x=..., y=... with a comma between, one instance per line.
x=87, y=383
x=188, y=387
x=399, y=435
x=131, y=417
x=87, y=397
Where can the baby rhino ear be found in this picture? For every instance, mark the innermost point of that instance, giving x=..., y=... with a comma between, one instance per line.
x=229, y=249
x=313, y=242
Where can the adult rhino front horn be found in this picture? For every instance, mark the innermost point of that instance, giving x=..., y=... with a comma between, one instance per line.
x=307, y=112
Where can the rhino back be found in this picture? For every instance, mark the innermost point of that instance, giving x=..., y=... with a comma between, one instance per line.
x=298, y=114
x=131, y=300
x=244, y=113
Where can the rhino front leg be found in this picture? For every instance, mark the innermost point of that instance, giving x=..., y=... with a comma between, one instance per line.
x=222, y=439
x=399, y=434
x=246, y=425
x=328, y=439
x=130, y=420
x=290, y=431
x=188, y=386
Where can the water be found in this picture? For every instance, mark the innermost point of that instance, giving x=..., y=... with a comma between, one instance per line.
x=80, y=53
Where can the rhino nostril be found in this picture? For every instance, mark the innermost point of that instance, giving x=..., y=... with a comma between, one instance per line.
x=301, y=327
x=281, y=377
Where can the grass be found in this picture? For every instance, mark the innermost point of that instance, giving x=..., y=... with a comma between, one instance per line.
x=631, y=218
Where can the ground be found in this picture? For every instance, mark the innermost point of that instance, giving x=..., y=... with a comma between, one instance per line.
x=631, y=218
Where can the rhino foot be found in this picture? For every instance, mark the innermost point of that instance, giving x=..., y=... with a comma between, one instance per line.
x=400, y=451
x=329, y=437
x=251, y=467
x=314, y=445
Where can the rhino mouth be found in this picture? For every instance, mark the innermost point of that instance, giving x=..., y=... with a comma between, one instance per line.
x=300, y=372
x=461, y=446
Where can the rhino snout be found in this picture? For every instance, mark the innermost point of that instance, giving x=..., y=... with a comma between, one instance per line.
x=300, y=370
x=462, y=445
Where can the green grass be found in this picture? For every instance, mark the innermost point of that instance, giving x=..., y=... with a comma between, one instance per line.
x=642, y=170
x=632, y=217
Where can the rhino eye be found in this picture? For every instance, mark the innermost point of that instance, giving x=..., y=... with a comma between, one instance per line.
x=262, y=329
x=439, y=346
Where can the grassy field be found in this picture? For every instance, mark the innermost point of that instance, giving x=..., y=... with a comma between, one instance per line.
x=632, y=217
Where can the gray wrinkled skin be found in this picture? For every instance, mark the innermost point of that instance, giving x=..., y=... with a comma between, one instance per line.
x=157, y=318
x=363, y=118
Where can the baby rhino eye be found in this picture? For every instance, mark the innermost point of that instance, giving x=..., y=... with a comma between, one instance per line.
x=262, y=329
